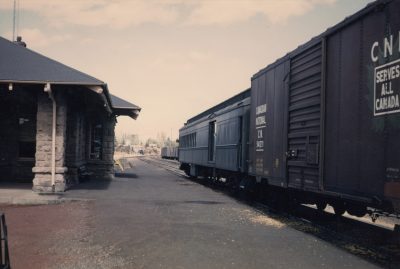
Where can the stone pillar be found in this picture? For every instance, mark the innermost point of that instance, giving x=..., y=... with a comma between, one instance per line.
x=42, y=170
x=108, y=147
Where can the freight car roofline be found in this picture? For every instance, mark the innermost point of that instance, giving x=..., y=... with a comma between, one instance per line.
x=223, y=110
x=331, y=30
x=234, y=99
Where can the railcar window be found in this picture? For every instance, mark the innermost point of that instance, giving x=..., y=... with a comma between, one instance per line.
x=189, y=140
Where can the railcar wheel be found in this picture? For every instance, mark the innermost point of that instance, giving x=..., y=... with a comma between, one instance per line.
x=233, y=183
x=187, y=172
x=339, y=209
x=292, y=204
x=357, y=210
x=321, y=206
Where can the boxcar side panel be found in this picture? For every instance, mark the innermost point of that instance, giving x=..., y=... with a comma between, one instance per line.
x=362, y=153
x=268, y=123
x=268, y=131
x=392, y=143
x=280, y=123
x=257, y=125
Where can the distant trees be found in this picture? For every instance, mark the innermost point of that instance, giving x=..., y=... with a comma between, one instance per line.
x=170, y=143
x=151, y=141
x=160, y=141
x=161, y=138
x=129, y=139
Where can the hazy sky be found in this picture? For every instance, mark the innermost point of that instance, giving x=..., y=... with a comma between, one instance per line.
x=173, y=58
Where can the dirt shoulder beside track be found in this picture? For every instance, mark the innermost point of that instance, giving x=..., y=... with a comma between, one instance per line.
x=46, y=236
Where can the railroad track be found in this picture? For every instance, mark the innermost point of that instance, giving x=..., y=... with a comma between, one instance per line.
x=170, y=165
x=376, y=242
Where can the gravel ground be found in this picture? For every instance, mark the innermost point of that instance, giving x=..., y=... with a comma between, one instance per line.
x=152, y=218
x=42, y=236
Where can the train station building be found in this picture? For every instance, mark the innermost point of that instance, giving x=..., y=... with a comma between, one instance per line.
x=57, y=123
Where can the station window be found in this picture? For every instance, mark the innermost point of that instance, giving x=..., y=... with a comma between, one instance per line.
x=26, y=130
x=96, y=142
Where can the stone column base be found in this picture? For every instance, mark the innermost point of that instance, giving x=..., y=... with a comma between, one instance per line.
x=42, y=181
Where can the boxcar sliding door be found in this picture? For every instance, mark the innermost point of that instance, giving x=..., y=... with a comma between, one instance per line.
x=304, y=126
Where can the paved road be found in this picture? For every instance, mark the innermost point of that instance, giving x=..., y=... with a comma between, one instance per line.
x=154, y=219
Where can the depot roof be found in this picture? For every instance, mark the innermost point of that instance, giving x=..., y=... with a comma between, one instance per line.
x=121, y=106
x=19, y=64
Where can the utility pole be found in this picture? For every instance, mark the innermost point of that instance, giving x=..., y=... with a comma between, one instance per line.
x=15, y=7
x=15, y=20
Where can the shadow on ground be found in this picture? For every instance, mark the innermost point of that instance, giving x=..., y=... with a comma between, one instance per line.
x=126, y=175
x=203, y=202
x=92, y=184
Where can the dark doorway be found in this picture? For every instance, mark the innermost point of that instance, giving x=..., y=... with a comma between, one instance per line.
x=211, y=141
x=18, y=110
x=240, y=142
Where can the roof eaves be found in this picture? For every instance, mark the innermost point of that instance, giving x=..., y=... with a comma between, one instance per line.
x=49, y=81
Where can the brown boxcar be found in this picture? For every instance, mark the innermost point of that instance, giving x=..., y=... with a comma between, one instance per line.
x=325, y=118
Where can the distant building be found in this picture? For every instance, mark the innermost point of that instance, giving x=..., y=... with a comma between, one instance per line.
x=153, y=146
x=56, y=123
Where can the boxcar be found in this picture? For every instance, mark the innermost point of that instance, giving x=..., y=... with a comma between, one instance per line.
x=322, y=122
x=325, y=119
x=215, y=141
x=169, y=153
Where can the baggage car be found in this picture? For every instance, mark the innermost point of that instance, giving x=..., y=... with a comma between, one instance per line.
x=215, y=141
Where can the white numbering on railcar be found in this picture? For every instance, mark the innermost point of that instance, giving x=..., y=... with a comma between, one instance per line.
x=261, y=109
x=260, y=145
x=260, y=125
x=259, y=133
x=260, y=120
